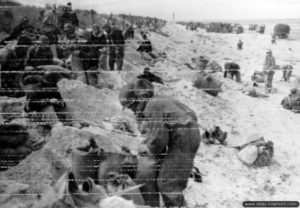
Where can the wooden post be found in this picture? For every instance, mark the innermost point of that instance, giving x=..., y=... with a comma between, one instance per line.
x=92, y=16
x=123, y=21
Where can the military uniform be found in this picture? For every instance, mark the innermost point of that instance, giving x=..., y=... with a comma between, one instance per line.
x=268, y=69
x=116, y=50
x=90, y=55
x=40, y=81
x=172, y=139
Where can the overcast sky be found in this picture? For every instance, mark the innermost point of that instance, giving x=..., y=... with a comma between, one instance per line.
x=190, y=9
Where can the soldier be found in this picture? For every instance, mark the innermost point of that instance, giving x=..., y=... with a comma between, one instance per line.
x=172, y=139
x=98, y=38
x=90, y=55
x=240, y=45
x=233, y=70
x=68, y=16
x=150, y=76
x=17, y=31
x=129, y=32
x=145, y=45
x=268, y=69
x=40, y=83
x=15, y=64
x=117, y=47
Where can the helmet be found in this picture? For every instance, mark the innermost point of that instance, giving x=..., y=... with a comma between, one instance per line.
x=68, y=27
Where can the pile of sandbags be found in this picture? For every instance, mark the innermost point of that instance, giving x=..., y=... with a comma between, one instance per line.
x=256, y=151
x=208, y=83
x=68, y=148
x=213, y=66
x=203, y=63
x=68, y=193
x=13, y=146
x=292, y=102
x=216, y=135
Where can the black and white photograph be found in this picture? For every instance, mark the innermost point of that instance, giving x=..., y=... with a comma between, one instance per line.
x=149, y=103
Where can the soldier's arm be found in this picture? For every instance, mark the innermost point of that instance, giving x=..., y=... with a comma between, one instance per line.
x=156, y=132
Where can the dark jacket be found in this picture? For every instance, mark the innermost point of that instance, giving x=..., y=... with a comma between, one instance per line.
x=68, y=17
x=89, y=54
x=151, y=77
x=116, y=37
x=172, y=137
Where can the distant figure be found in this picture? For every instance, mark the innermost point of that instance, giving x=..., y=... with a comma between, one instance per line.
x=273, y=39
x=268, y=69
x=145, y=45
x=150, y=76
x=233, y=70
x=129, y=32
x=287, y=73
x=99, y=38
x=240, y=45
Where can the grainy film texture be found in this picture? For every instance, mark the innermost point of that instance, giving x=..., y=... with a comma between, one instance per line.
x=139, y=103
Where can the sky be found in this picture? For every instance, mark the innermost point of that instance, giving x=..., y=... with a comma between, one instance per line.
x=189, y=9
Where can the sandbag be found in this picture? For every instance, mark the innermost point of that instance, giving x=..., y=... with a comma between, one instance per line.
x=265, y=154
x=248, y=155
x=207, y=83
x=213, y=66
x=10, y=157
x=4, y=52
x=258, y=76
x=12, y=135
x=77, y=69
x=122, y=163
x=89, y=197
x=12, y=110
x=125, y=186
x=85, y=162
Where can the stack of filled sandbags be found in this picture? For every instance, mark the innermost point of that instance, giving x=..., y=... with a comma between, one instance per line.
x=208, y=83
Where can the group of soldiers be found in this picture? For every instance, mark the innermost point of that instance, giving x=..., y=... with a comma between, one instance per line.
x=169, y=127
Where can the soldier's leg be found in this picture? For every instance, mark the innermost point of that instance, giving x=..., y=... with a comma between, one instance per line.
x=111, y=61
x=238, y=77
x=119, y=57
x=173, y=178
x=146, y=174
x=103, y=61
x=178, y=164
